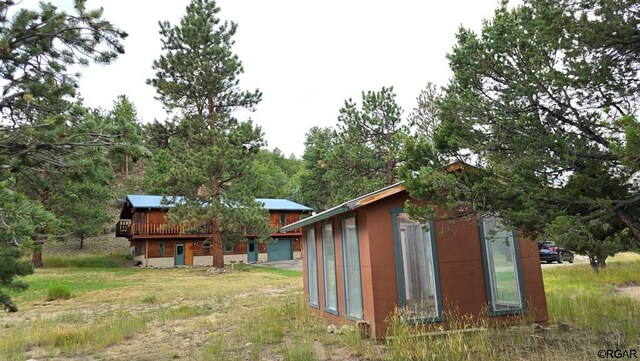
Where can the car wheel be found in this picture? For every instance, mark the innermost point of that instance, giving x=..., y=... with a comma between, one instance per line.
x=560, y=260
x=570, y=260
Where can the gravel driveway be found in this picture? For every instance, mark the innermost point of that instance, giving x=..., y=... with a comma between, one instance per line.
x=295, y=265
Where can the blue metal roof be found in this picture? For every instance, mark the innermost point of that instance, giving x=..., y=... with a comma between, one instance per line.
x=277, y=204
x=147, y=201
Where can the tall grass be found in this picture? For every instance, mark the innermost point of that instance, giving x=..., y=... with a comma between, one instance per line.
x=467, y=339
x=590, y=301
x=282, y=326
x=58, y=292
x=273, y=321
x=267, y=270
x=75, y=333
x=595, y=315
x=88, y=261
x=52, y=335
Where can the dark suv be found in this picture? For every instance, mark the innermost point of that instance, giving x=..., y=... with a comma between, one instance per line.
x=549, y=252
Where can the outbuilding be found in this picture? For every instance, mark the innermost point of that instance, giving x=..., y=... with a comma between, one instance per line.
x=366, y=259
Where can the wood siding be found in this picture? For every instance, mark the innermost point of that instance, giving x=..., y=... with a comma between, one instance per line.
x=193, y=248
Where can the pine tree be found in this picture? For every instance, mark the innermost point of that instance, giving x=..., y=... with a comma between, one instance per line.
x=197, y=79
x=545, y=102
x=20, y=220
x=125, y=118
x=316, y=189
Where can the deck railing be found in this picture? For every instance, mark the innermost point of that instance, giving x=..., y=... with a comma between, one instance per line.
x=122, y=228
x=278, y=225
x=125, y=228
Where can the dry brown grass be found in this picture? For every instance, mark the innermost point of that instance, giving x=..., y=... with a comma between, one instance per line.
x=187, y=306
x=259, y=314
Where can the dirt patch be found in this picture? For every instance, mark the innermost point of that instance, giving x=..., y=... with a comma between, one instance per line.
x=630, y=291
x=217, y=271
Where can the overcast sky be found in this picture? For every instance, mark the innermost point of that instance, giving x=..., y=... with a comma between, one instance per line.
x=306, y=57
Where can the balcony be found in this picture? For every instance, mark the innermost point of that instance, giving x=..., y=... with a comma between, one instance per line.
x=279, y=225
x=125, y=228
x=122, y=228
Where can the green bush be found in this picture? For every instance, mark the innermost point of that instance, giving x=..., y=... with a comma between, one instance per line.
x=150, y=299
x=58, y=292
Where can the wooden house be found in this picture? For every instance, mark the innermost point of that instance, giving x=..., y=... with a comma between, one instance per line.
x=366, y=259
x=143, y=221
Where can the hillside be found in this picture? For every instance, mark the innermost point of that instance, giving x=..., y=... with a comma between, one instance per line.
x=103, y=244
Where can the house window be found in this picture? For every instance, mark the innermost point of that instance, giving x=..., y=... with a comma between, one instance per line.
x=351, y=259
x=283, y=218
x=206, y=247
x=505, y=294
x=228, y=247
x=161, y=246
x=420, y=298
x=329, y=269
x=312, y=268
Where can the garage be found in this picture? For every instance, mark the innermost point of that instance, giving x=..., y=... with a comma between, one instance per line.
x=280, y=250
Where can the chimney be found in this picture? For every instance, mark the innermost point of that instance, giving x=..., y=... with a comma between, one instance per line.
x=202, y=191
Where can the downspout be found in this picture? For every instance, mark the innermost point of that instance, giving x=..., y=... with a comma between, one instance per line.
x=146, y=253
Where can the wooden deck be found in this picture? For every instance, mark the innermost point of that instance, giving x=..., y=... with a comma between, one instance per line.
x=126, y=228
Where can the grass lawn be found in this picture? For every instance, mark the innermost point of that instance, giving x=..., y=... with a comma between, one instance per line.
x=253, y=313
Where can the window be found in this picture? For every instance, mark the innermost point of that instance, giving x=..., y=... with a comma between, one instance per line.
x=329, y=269
x=312, y=268
x=228, y=247
x=161, y=246
x=283, y=218
x=206, y=248
x=417, y=269
x=505, y=293
x=351, y=260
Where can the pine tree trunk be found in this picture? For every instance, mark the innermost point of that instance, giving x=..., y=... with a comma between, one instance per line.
x=388, y=168
x=631, y=222
x=216, y=245
x=38, y=245
x=126, y=164
x=597, y=262
x=216, y=241
x=81, y=241
x=36, y=257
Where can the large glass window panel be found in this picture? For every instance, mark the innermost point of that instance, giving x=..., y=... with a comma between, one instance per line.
x=353, y=285
x=312, y=267
x=329, y=268
x=419, y=292
x=505, y=290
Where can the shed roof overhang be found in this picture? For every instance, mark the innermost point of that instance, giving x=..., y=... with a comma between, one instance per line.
x=457, y=166
x=347, y=206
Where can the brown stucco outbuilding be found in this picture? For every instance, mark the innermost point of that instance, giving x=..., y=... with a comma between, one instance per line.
x=366, y=258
